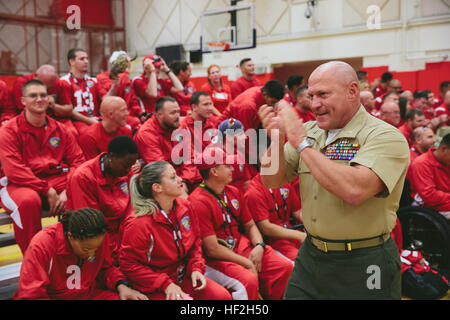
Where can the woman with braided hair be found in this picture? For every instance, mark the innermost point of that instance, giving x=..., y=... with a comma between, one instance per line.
x=71, y=260
x=160, y=250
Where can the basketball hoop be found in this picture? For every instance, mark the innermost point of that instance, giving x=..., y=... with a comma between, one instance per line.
x=218, y=46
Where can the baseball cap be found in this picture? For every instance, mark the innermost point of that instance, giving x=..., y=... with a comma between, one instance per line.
x=230, y=125
x=214, y=156
x=155, y=59
x=115, y=55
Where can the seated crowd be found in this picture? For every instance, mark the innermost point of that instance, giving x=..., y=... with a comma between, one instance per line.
x=156, y=184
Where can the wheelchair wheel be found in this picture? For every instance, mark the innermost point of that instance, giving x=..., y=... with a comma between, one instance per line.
x=429, y=227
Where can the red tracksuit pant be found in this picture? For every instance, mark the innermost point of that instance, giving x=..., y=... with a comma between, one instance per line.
x=244, y=285
x=25, y=208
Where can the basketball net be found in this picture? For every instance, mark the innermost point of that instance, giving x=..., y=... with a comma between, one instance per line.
x=218, y=46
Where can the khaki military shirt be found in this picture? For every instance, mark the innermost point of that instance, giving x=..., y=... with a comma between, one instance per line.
x=366, y=141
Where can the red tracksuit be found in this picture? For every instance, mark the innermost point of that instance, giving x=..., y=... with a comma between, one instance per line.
x=85, y=97
x=205, y=135
x=275, y=205
x=430, y=180
x=221, y=98
x=50, y=268
x=241, y=84
x=33, y=160
x=125, y=91
x=245, y=108
x=156, y=252
x=7, y=108
x=155, y=144
x=88, y=187
x=275, y=271
x=94, y=140
x=147, y=103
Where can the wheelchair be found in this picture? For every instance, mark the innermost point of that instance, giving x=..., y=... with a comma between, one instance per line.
x=426, y=230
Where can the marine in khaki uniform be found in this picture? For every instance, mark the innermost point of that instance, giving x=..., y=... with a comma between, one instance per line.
x=352, y=168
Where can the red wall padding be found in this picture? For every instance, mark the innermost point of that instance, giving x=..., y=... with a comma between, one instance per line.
x=430, y=78
x=92, y=11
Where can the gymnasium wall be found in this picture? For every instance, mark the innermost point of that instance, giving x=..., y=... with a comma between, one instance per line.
x=412, y=34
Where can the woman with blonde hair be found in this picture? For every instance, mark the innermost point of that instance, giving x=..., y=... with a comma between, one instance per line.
x=220, y=93
x=161, y=250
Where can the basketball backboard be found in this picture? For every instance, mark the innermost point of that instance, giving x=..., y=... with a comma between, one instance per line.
x=233, y=26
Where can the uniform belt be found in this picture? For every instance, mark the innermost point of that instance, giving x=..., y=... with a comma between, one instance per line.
x=348, y=245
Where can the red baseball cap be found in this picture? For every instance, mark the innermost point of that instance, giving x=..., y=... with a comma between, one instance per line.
x=215, y=156
x=157, y=62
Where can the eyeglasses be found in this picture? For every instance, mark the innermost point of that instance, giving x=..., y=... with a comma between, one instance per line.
x=35, y=96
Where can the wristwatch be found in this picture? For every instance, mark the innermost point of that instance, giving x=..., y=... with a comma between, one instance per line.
x=306, y=143
x=262, y=244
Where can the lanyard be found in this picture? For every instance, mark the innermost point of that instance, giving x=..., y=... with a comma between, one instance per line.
x=226, y=210
x=176, y=232
x=276, y=205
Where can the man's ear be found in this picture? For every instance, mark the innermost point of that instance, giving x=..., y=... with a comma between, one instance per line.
x=353, y=90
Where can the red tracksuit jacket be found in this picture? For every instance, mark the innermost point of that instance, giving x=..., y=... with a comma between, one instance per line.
x=155, y=144
x=241, y=84
x=30, y=156
x=148, y=255
x=89, y=188
x=124, y=90
x=94, y=140
x=140, y=85
x=245, y=108
x=48, y=269
x=431, y=181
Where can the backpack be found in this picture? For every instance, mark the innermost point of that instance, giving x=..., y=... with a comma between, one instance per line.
x=419, y=279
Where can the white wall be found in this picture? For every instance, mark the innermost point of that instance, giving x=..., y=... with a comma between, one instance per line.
x=412, y=32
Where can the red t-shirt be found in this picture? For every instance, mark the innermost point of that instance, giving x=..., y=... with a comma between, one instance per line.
x=275, y=205
x=220, y=98
x=215, y=221
x=241, y=84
